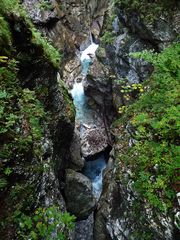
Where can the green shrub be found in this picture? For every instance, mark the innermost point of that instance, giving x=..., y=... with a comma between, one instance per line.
x=45, y=5
x=20, y=113
x=107, y=38
x=155, y=117
x=5, y=37
x=45, y=223
x=3, y=183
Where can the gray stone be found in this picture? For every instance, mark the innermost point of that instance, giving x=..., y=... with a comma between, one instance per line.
x=93, y=141
x=76, y=162
x=78, y=194
x=98, y=87
x=84, y=228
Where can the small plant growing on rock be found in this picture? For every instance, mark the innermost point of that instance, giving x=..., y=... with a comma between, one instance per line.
x=45, y=223
x=45, y=5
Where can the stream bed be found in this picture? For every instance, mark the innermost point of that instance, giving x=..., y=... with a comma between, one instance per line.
x=88, y=118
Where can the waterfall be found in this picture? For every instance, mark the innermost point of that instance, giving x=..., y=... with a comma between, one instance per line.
x=87, y=56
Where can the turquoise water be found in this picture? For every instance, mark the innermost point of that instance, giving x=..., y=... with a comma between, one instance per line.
x=84, y=114
x=94, y=167
x=85, y=66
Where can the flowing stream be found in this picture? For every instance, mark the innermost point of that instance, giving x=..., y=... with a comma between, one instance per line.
x=85, y=115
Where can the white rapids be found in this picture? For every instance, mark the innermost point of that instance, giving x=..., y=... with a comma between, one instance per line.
x=89, y=51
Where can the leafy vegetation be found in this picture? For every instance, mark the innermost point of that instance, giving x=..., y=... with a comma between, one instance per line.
x=149, y=10
x=45, y=223
x=20, y=114
x=5, y=35
x=45, y=5
x=70, y=109
x=108, y=36
x=12, y=7
x=23, y=121
x=155, y=120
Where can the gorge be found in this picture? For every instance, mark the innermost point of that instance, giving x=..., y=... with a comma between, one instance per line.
x=89, y=119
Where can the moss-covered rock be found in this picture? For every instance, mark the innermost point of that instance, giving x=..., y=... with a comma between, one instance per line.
x=34, y=120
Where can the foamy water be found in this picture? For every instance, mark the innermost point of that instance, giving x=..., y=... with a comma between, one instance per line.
x=89, y=50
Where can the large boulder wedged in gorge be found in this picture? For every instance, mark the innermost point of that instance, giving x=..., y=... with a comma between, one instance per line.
x=76, y=161
x=93, y=141
x=79, y=198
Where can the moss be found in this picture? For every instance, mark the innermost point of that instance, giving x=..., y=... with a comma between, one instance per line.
x=70, y=109
x=12, y=7
x=9, y=6
x=50, y=52
x=108, y=36
x=45, y=5
x=21, y=117
x=5, y=36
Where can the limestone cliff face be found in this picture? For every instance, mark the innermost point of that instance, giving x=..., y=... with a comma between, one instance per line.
x=115, y=217
x=35, y=175
x=69, y=22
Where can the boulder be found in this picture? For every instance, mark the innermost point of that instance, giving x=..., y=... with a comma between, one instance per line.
x=93, y=141
x=76, y=162
x=78, y=194
x=98, y=87
x=84, y=228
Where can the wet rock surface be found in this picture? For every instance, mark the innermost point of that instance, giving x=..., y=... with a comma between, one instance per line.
x=67, y=23
x=118, y=218
x=84, y=229
x=78, y=194
x=93, y=141
x=104, y=208
x=42, y=12
x=159, y=32
x=126, y=68
x=98, y=87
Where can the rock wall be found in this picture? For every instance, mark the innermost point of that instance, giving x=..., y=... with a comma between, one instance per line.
x=35, y=175
x=116, y=216
x=68, y=23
